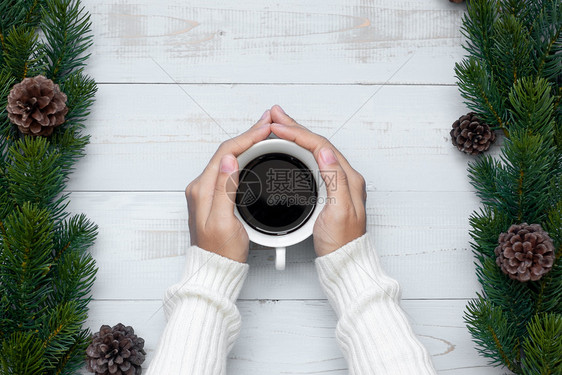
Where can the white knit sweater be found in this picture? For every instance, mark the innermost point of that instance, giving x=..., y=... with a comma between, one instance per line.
x=372, y=330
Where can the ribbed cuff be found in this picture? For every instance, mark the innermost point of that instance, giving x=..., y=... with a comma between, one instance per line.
x=352, y=270
x=207, y=274
x=372, y=329
x=203, y=321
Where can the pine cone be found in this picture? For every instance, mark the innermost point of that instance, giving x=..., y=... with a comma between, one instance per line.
x=471, y=135
x=116, y=351
x=456, y=1
x=525, y=252
x=36, y=105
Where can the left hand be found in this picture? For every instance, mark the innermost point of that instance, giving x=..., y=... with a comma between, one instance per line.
x=210, y=197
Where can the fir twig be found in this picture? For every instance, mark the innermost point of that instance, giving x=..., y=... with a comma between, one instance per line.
x=512, y=79
x=46, y=272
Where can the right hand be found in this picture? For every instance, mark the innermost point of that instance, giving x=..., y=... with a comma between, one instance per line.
x=343, y=218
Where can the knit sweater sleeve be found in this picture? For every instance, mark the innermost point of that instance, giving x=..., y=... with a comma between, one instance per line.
x=203, y=321
x=372, y=331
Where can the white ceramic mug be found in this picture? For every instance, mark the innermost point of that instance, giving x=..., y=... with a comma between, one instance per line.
x=281, y=241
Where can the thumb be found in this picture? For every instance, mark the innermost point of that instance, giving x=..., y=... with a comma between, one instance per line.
x=279, y=116
x=334, y=177
x=224, y=197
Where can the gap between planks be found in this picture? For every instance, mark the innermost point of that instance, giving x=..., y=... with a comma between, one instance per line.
x=272, y=299
x=279, y=84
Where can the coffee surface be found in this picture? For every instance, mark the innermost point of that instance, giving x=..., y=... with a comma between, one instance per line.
x=276, y=194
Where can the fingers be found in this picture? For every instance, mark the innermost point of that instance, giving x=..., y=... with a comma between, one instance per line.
x=294, y=132
x=285, y=127
x=279, y=116
x=237, y=145
x=264, y=119
x=301, y=136
x=310, y=141
x=234, y=146
x=225, y=189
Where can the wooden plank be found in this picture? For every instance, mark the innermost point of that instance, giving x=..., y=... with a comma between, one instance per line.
x=422, y=239
x=153, y=137
x=297, y=337
x=252, y=41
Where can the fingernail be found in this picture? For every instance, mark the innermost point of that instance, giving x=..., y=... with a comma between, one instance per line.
x=328, y=156
x=264, y=115
x=281, y=109
x=227, y=164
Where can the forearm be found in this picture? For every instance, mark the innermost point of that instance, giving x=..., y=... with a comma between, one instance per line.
x=372, y=330
x=203, y=321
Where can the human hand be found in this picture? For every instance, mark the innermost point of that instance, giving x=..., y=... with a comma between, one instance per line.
x=210, y=197
x=343, y=218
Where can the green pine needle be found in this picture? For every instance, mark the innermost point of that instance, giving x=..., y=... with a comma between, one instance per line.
x=46, y=271
x=533, y=106
x=22, y=353
x=67, y=31
x=482, y=94
x=543, y=345
x=490, y=330
x=20, y=52
x=512, y=79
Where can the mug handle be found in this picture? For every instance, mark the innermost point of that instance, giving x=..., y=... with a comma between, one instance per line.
x=280, y=258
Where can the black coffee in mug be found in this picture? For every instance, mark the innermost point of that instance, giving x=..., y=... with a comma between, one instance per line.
x=276, y=194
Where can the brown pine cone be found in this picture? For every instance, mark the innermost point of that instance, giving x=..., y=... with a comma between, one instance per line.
x=36, y=105
x=525, y=252
x=471, y=135
x=456, y=1
x=115, y=351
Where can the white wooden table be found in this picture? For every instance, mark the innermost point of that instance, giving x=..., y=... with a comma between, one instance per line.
x=170, y=72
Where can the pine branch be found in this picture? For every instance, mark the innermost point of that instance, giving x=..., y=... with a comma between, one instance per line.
x=73, y=359
x=60, y=328
x=478, y=28
x=69, y=145
x=20, y=52
x=512, y=79
x=547, y=38
x=517, y=8
x=18, y=12
x=481, y=93
x=6, y=128
x=533, y=107
x=34, y=175
x=522, y=181
x=67, y=30
x=75, y=270
x=510, y=52
x=553, y=224
x=22, y=353
x=543, y=345
x=513, y=297
x=73, y=279
x=68, y=141
x=26, y=260
x=486, y=225
x=80, y=91
x=550, y=289
x=490, y=330
x=46, y=273
x=483, y=175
